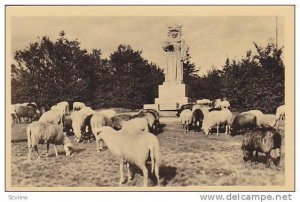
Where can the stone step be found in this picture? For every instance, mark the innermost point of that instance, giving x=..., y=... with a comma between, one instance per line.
x=167, y=113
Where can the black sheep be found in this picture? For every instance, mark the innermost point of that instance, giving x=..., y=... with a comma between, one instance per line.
x=262, y=140
x=243, y=122
x=197, y=119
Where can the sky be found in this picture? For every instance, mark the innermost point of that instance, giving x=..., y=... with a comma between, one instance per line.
x=211, y=39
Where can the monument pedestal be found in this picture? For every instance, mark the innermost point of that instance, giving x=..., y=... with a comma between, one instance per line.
x=171, y=95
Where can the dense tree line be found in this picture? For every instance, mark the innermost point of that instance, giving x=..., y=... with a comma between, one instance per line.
x=51, y=71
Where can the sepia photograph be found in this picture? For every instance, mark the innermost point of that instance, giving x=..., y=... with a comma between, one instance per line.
x=150, y=98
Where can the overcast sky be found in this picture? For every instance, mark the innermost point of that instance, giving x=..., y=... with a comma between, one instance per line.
x=211, y=39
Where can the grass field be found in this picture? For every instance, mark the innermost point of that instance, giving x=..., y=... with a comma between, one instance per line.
x=191, y=159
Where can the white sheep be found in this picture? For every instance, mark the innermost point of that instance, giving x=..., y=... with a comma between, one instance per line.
x=53, y=116
x=135, y=125
x=64, y=106
x=109, y=113
x=217, y=118
x=268, y=120
x=225, y=104
x=203, y=102
x=98, y=120
x=280, y=112
x=257, y=113
x=133, y=148
x=78, y=105
x=186, y=118
x=47, y=133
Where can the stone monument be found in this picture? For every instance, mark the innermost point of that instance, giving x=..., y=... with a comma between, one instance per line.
x=173, y=92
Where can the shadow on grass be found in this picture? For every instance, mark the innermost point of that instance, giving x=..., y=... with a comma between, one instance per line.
x=166, y=173
x=160, y=129
x=19, y=140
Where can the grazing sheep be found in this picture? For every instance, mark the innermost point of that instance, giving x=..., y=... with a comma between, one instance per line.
x=243, y=122
x=109, y=113
x=25, y=112
x=183, y=107
x=78, y=118
x=47, y=133
x=78, y=105
x=133, y=148
x=64, y=106
x=186, y=118
x=203, y=102
x=268, y=120
x=197, y=119
x=135, y=125
x=262, y=140
x=257, y=113
x=98, y=120
x=217, y=118
x=119, y=120
x=280, y=112
x=53, y=116
x=155, y=114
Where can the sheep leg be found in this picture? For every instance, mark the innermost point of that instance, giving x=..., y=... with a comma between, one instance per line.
x=217, y=130
x=268, y=162
x=47, y=150
x=157, y=172
x=121, y=171
x=55, y=149
x=145, y=173
x=37, y=152
x=29, y=154
x=128, y=171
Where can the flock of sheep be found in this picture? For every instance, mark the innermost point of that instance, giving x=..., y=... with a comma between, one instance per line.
x=131, y=137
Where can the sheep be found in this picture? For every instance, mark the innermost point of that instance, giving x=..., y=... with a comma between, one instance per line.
x=135, y=125
x=203, y=102
x=217, y=118
x=183, y=107
x=109, y=113
x=268, y=120
x=133, y=148
x=155, y=114
x=197, y=119
x=25, y=111
x=45, y=133
x=243, y=122
x=119, y=120
x=78, y=118
x=262, y=140
x=186, y=117
x=216, y=103
x=280, y=112
x=53, y=116
x=98, y=120
x=257, y=113
x=78, y=105
x=225, y=104
x=64, y=106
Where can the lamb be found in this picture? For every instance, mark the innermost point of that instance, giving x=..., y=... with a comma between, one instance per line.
x=262, y=140
x=46, y=133
x=186, y=118
x=133, y=148
x=243, y=122
x=217, y=118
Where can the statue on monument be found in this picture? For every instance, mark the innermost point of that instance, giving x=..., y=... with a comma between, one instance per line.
x=173, y=47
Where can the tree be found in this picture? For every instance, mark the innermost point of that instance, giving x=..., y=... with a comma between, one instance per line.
x=52, y=71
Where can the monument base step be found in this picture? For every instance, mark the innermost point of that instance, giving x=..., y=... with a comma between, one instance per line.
x=167, y=113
